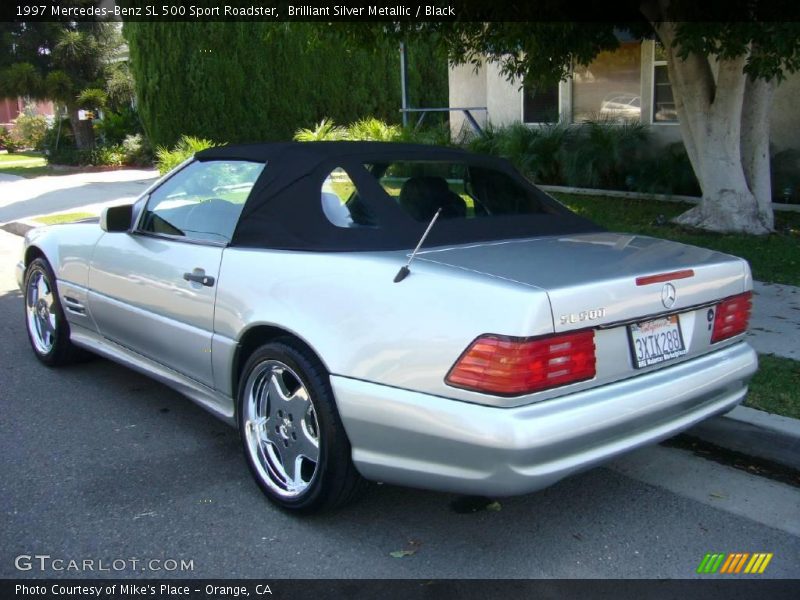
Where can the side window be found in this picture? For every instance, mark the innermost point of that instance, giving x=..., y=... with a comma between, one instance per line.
x=203, y=201
x=460, y=190
x=342, y=203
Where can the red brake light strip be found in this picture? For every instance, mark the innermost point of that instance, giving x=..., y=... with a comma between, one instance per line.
x=662, y=277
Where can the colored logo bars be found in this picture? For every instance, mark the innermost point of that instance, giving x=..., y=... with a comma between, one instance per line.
x=735, y=562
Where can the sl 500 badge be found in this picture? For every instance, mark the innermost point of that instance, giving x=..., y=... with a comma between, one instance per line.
x=584, y=315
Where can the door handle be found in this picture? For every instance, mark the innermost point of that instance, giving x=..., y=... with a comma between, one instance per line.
x=199, y=276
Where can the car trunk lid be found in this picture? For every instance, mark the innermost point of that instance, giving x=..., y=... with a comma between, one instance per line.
x=591, y=279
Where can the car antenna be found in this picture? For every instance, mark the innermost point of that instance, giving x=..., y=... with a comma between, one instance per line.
x=404, y=270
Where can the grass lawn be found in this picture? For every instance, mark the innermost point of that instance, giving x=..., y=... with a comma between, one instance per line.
x=63, y=218
x=776, y=386
x=24, y=164
x=20, y=157
x=774, y=258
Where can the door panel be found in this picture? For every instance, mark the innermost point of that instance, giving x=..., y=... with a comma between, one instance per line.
x=140, y=299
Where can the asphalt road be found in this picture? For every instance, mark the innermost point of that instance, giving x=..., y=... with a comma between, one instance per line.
x=101, y=463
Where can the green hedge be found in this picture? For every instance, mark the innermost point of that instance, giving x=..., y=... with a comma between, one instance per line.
x=252, y=81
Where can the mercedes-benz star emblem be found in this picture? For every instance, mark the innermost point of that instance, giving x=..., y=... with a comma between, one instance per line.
x=668, y=295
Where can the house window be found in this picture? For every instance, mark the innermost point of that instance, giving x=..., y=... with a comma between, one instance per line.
x=540, y=103
x=609, y=88
x=663, y=100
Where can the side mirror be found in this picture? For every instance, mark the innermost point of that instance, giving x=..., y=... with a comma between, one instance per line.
x=116, y=218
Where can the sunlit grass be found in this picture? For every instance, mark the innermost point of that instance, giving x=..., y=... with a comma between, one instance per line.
x=26, y=157
x=63, y=218
x=776, y=386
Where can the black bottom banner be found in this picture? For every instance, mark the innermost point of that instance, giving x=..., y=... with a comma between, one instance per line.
x=389, y=589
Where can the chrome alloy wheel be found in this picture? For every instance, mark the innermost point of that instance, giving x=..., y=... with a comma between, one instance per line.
x=281, y=429
x=41, y=312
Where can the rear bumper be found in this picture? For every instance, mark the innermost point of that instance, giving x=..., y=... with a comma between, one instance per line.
x=418, y=440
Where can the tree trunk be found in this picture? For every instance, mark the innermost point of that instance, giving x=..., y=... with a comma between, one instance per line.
x=84, y=134
x=755, y=144
x=725, y=127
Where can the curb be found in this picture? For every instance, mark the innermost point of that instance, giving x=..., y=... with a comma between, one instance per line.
x=754, y=433
x=17, y=228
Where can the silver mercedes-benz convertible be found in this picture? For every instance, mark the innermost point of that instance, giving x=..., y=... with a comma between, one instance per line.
x=408, y=314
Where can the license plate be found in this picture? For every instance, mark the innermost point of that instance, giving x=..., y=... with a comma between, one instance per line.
x=653, y=342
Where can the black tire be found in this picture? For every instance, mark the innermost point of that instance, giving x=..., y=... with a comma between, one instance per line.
x=334, y=481
x=54, y=349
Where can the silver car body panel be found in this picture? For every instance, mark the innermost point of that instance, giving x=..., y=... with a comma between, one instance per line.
x=140, y=299
x=363, y=325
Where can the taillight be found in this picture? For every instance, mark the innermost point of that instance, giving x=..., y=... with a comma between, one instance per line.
x=732, y=317
x=508, y=366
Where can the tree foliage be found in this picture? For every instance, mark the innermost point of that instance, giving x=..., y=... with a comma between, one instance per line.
x=255, y=81
x=61, y=62
x=55, y=60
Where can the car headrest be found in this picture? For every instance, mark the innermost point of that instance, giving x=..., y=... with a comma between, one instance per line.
x=422, y=196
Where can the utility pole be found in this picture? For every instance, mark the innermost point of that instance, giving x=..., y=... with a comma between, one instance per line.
x=404, y=82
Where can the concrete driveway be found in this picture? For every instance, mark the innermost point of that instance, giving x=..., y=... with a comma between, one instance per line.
x=25, y=198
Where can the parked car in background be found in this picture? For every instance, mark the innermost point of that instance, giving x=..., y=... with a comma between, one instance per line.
x=622, y=106
x=273, y=285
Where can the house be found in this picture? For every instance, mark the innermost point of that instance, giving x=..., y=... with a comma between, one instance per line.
x=11, y=108
x=628, y=83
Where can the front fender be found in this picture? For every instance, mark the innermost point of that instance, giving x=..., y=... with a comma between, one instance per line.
x=68, y=248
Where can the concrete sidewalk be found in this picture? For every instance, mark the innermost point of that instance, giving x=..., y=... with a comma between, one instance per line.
x=775, y=323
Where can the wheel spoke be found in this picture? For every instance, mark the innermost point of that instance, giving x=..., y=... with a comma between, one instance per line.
x=306, y=446
x=290, y=462
x=50, y=324
x=278, y=394
x=42, y=289
x=299, y=402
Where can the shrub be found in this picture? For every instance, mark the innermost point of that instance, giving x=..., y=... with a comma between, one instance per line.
x=438, y=135
x=786, y=176
x=29, y=131
x=6, y=141
x=100, y=156
x=187, y=146
x=66, y=155
x=325, y=130
x=57, y=135
x=115, y=126
x=603, y=154
x=373, y=130
x=488, y=143
x=536, y=151
x=666, y=171
x=106, y=156
x=137, y=151
x=92, y=99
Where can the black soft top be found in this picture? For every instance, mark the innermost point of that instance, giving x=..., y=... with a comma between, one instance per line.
x=284, y=209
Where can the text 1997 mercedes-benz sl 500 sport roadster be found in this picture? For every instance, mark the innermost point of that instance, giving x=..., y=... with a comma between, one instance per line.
x=276, y=286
